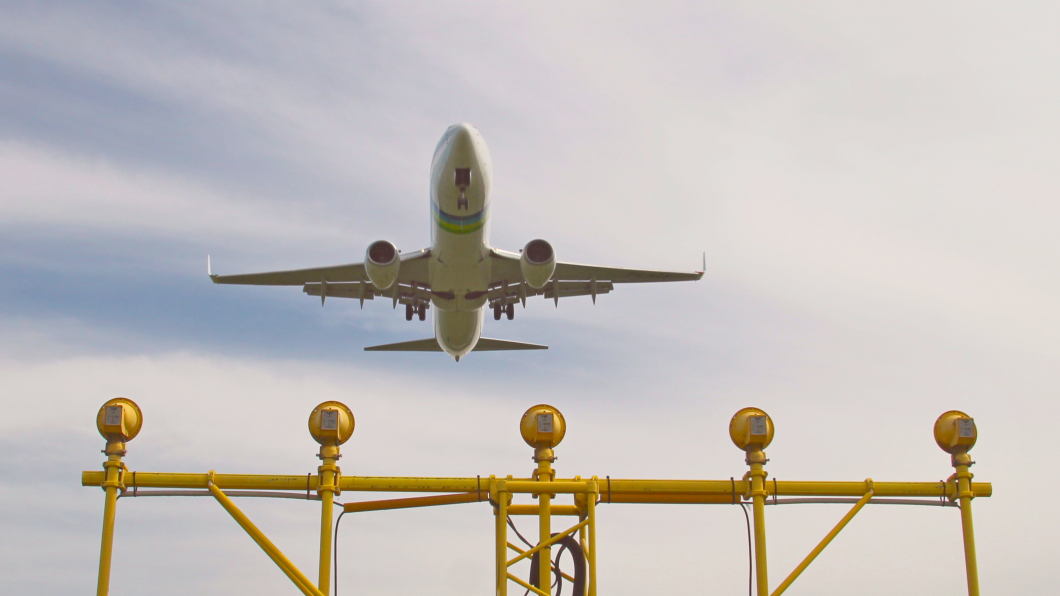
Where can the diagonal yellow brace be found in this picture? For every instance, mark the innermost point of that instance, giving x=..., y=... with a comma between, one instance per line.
x=554, y=568
x=527, y=586
x=827, y=539
x=547, y=543
x=285, y=565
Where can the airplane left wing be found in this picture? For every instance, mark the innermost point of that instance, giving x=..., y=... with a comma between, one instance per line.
x=569, y=279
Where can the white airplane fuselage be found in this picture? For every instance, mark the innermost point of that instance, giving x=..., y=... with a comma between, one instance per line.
x=461, y=175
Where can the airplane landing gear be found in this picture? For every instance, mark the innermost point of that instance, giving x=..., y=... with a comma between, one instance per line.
x=510, y=311
x=408, y=312
x=422, y=311
x=497, y=312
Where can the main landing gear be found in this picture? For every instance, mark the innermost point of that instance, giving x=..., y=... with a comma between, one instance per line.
x=508, y=310
x=417, y=309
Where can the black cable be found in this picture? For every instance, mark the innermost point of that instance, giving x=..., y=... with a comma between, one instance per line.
x=750, y=563
x=336, y=564
x=512, y=526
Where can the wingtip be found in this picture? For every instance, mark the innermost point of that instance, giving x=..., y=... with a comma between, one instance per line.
x=209, y=270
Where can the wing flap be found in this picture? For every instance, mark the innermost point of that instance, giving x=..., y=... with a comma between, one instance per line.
x=356, y=290
x=567, y=289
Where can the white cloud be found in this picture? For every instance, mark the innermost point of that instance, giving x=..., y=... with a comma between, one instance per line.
x=874, y=187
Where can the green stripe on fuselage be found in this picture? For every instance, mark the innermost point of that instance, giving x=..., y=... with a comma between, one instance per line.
x=456, y=224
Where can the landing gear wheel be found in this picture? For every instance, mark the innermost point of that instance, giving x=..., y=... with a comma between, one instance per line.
x=408, y=312
x=422, y=311
x=510, y=311
x=497, y=312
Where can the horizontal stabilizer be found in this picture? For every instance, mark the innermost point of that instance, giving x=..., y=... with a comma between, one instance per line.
x=484, y=344
x=418, y=345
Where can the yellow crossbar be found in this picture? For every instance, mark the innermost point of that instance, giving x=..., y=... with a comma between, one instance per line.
x=827, y=539
x=285, y=565
x=527, y=586
x=554, y=568
x=549, y=542
x=361, y=506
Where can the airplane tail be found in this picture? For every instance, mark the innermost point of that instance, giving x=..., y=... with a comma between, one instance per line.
x=485, y=344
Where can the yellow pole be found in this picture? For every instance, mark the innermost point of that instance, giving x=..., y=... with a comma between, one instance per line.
x=962, y=461
x=827, y=539
x=756, y=459
x=500, y=497
x=590, y=508
x=328, y=454
x=111, y=485
x=285, y=565
x=544, y=473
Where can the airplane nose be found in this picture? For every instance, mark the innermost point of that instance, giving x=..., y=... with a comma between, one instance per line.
x=462, y=142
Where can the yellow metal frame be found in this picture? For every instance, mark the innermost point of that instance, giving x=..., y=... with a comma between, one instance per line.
x=500, y=492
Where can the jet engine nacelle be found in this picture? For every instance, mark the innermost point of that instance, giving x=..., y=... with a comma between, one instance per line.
x=382, y=262
x=537, y=263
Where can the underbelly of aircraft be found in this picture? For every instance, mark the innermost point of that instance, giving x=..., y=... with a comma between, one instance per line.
x=458, y=331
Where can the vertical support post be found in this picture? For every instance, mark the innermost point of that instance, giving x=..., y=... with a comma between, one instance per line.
x=590, y=508
x=963, y=461
x=112, y=483
x=500, y=497
x=544, y=474
x=756, y=459
x=329, y=473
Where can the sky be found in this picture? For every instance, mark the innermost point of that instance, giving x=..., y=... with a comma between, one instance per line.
x=874, y=187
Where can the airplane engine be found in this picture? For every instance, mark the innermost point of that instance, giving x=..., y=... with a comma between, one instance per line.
x=381, y=262
x=537, y=263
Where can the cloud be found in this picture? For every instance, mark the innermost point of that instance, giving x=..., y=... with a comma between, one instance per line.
x=873, y=188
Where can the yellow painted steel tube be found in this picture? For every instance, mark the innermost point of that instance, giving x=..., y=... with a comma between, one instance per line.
x=112, y=482
x=536, y=510
x=547, y=543
x=361, y=506
x=521, y=551
x=590, y=519
x=758, y=497
x=544, y=501
x=701, y=487
x=821, y=546
x=671, y=498
x=534, y=487
x=500, y=497
x=783, y=488
x=965, y=495
x=525, y=585
x=327, y=498
x=296, y=576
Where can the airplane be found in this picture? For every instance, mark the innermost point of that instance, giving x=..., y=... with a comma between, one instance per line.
x=460, y=274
